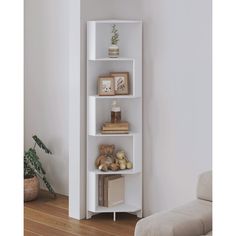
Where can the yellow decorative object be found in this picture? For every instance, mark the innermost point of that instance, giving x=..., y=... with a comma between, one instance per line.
x=120, y=155
x=122, y=166
x=129, y=165
x=123, y=161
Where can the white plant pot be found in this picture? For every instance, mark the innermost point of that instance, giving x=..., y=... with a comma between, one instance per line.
x=113, y=51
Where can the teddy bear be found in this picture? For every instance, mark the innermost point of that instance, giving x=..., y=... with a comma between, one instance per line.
x=106, y=161
x=123, y=161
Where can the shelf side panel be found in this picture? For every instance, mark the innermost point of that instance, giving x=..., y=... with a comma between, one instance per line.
x=92, y=116
x=92, y=192
x=137, y=152
x=91, y=40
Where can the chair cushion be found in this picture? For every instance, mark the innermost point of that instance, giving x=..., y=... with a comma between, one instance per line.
x=192, y=219
x=169, y=224
x=199, y=209
x=204, y=188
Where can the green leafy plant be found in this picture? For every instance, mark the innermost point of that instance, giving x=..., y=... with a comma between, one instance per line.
x=115, y=35
x=33, y=166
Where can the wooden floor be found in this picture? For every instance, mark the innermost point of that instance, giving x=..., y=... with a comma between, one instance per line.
x=49, y=217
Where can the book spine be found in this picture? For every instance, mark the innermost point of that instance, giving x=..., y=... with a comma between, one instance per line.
x=105, y=192
x=114, y=132
x=100, y=190
x=116, y=124
x=115, y=128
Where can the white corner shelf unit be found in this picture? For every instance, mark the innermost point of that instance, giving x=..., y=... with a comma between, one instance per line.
x=99, y=108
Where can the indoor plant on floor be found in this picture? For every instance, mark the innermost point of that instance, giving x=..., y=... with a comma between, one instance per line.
x=33, y=169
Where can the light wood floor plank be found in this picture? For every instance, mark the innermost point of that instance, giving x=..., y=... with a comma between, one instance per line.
x=44, y=229
x=48, y=217
x=30, y=233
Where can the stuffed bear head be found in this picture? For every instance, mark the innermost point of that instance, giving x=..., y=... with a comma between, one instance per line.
x=107, y=150
x=105, y=159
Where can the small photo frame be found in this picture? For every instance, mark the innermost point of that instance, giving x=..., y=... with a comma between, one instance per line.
x=121, y=80
x=106, y=86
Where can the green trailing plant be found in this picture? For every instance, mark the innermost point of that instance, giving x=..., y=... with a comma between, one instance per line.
x=115, y=35
x=33, y=166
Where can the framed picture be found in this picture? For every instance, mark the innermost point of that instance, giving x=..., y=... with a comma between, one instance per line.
x=121, y=80
x=106, y=86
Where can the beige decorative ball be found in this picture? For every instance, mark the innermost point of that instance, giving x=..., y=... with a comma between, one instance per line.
x=122, y=166
x=129, y=165
x=122, y=162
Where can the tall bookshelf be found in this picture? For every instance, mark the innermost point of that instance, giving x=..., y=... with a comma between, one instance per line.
x=99, y=107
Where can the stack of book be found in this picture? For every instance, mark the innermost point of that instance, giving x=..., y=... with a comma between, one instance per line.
x=115, y=128
x=110, y=190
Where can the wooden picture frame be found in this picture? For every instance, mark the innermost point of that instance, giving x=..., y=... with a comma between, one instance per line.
x=106, y=86
x=121, y=81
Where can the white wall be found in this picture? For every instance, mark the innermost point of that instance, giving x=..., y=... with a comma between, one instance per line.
x=46, y=84
x=177, y=99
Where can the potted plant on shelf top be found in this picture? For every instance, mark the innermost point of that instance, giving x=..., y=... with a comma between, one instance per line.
x=33, y=169
x=113, y=50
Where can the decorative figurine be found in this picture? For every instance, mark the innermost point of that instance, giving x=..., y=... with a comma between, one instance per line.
x=123, y=161
x=115, y=113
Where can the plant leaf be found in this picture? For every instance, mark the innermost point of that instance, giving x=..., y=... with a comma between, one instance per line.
x=41, y=144
x=49, y=187
x=33, y=166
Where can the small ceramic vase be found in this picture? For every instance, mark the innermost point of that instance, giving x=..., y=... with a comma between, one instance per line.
x=113, y=51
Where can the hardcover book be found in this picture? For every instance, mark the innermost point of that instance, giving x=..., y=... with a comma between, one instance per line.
x=100, y=190
x=113, y=190
x=104, y=128
x=122, y=124
x=114, y=131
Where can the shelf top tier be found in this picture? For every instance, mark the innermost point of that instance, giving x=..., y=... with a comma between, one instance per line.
x=130, y=39
x=113, y=21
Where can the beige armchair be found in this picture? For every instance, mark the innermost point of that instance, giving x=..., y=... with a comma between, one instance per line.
x=192, y=219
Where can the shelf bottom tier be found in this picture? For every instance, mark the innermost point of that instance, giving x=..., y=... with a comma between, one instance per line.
x=118, y=208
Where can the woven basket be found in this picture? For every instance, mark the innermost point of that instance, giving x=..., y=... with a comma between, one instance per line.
x=31, y=189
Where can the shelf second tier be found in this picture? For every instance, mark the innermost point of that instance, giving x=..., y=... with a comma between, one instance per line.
x=122, y=172
x=118, y=208
x=113, y=135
